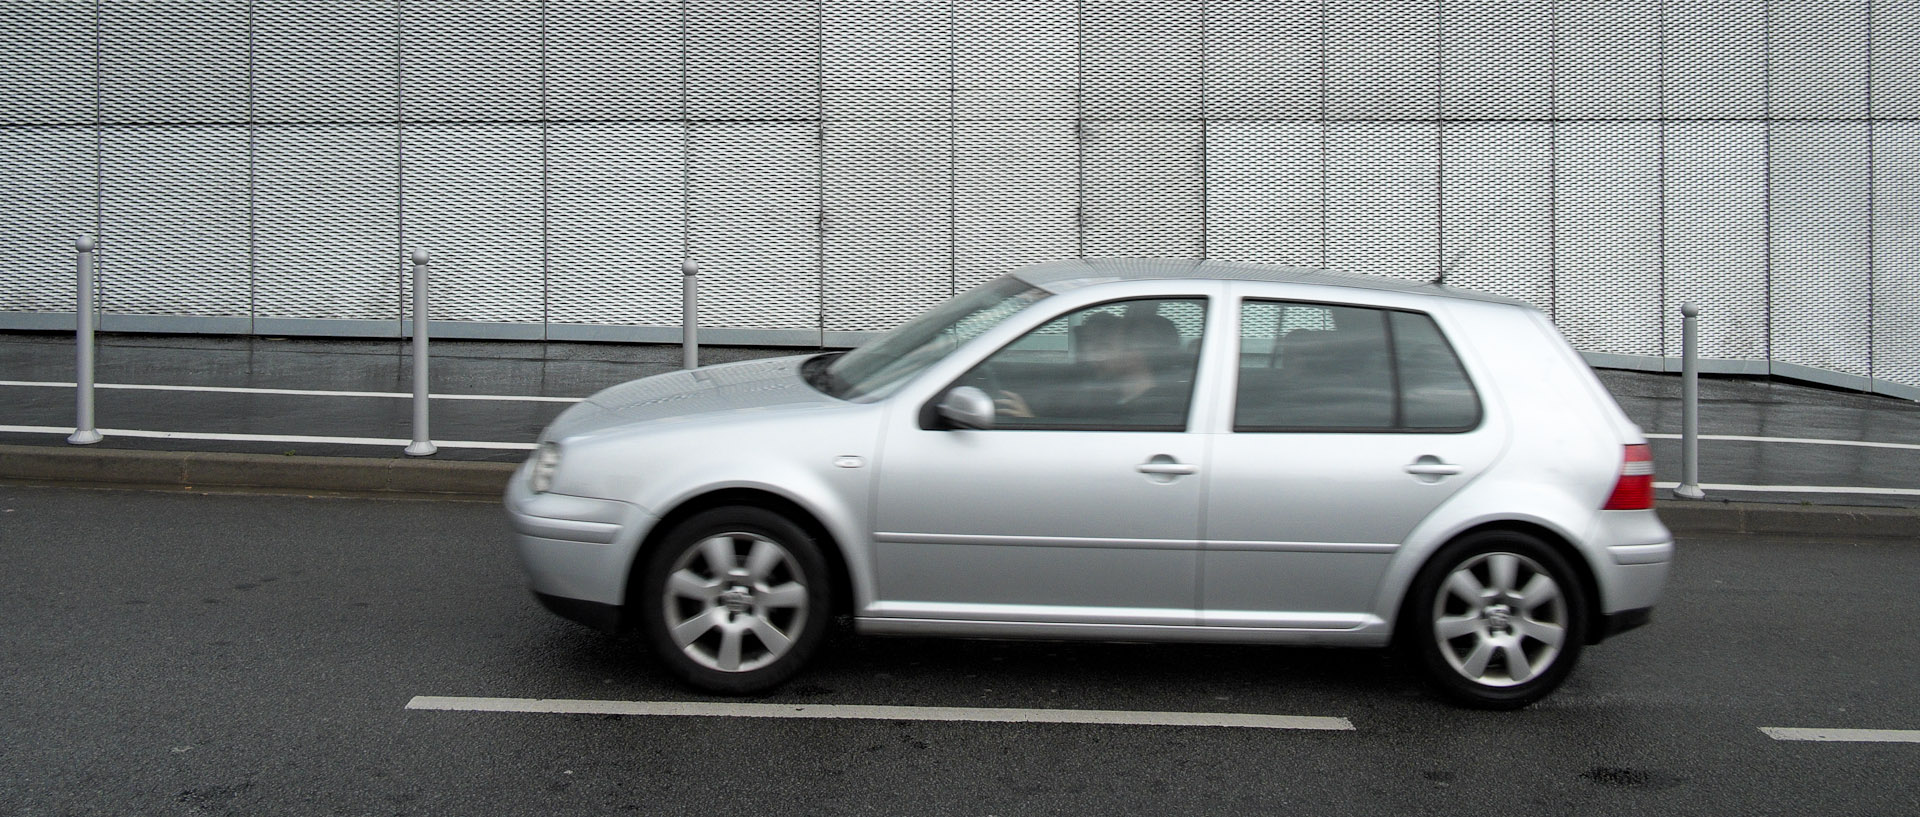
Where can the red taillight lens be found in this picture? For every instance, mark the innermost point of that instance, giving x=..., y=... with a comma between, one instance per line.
x=1634, y=490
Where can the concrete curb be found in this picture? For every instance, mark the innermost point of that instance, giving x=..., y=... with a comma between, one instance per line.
x=488, y=480
x=201, y=469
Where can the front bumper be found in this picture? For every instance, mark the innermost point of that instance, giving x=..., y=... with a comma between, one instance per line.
x=577, y=551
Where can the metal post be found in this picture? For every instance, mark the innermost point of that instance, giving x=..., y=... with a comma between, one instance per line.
x=1689, y=487
x=690, y=316
x=422, y=445
x=83, y=431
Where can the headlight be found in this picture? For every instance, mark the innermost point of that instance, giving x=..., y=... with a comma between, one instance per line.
x=545, y=460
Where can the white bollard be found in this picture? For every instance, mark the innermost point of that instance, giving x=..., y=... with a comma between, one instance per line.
x=1689, y=487
x=690, y=316
x=83, y=431
x=422, y=444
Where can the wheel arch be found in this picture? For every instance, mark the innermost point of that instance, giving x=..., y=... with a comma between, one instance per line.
x=1583, y=571
x=839, y=577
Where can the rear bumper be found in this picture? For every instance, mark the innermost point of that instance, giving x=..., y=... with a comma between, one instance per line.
x=1612, y=624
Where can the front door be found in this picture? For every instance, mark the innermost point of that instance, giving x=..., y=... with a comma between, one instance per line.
x=1081, y=505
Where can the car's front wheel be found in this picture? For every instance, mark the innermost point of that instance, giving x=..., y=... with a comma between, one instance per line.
x=1495, y=620
x=734, y=600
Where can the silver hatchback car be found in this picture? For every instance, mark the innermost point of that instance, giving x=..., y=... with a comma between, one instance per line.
x=1122, y=450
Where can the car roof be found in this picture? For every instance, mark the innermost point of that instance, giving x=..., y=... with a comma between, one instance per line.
x=1065, y=275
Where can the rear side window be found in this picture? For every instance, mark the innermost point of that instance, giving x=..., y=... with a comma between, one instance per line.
x=1325, y=367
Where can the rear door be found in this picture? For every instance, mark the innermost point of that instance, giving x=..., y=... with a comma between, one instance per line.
x=1350, y=424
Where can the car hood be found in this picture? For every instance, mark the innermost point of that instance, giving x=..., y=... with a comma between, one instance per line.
x=753, y=385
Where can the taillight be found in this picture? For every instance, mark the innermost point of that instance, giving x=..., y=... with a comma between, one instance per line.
x=1634, y=490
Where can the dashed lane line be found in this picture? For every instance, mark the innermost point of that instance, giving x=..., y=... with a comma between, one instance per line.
x=1843, y=735
x=883, y=713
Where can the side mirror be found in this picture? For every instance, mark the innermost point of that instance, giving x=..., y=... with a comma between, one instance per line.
x=966, y=407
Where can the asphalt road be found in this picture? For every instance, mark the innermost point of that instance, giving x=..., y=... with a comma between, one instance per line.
x=190, y=654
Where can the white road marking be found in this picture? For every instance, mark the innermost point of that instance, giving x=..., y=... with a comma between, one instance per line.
x=1799, y=440
x=522, y=398
x=268, y=438
x=884, y=713
x=1800, y=489
x=1844, y=735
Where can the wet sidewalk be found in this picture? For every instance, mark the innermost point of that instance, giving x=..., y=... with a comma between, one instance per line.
x=1763, y=441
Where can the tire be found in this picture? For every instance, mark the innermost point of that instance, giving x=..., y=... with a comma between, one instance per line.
x=734, y=600
x=1495, y=620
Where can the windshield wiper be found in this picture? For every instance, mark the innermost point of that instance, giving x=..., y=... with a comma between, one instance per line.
x=817, y=375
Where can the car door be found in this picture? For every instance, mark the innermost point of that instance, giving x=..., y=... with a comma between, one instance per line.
x=1350, y=425
x=1080, y=506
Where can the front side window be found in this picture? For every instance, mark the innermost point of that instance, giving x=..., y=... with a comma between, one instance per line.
x=1118, y=366
x=1325, y=367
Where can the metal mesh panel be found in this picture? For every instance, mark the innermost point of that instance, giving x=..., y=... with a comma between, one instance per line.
x=49, y=178
x=472, y=198
x=1607, y=236
x=613, y=59
x=1264, y=186
x=1607, y=58
x=896, y=44
x=1140, y=59
x=327, y=221
x=753, y=60
x=753, y=223
x=169, y=63
x=1896, y=245
x=1716, y=239
x=1820, y=275
x=887, y=240
x=1818, y=58
x=1141, y=193
x=1015, y=196
x=1496, y=200
x=47, y=61
x=885, y=105
x=1383, y=199
x=173, y=210
x=995, y=104
x=1383, y=59
x=1263, y=59
x=1496, y=58
x=1016, y=44
x=1896, y=58
x=1716, y=53
x=325, y=62
x=614, y=223
x=448, y=76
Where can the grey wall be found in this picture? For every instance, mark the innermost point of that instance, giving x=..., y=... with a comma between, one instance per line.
x=260, y=166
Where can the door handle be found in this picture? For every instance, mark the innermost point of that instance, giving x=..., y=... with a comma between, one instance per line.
x=1430, y=466
x=1170, y=468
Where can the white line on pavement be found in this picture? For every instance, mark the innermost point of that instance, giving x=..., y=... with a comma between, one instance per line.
x=1844, y=735
x=885, y=713
x=267, y=438
x=1799, y=440
x=1800, y=489
x=303, y=392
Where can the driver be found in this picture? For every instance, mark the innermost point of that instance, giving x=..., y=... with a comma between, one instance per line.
x=1126, y=383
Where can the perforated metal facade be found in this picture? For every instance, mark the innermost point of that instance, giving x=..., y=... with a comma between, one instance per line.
x=836, y=166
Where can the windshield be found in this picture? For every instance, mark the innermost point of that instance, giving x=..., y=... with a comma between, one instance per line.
x=879, y=366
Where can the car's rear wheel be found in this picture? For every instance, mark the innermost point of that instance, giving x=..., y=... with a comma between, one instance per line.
x=1495, y=620
x=734, y=600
